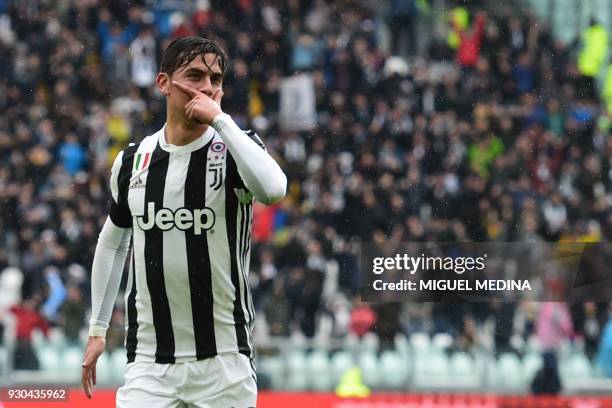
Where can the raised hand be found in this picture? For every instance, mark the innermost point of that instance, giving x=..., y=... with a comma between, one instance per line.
x=201, y=107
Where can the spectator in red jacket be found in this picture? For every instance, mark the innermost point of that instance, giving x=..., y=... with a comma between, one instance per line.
x=27, y=319
x=471, y=41
x=363, y=318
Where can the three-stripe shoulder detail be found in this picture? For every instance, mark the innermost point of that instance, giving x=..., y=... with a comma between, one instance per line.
x=255, y=137
x=127, y=163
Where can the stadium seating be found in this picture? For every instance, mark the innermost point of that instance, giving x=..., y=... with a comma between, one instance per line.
x=508, y=374
x=368, y=363
x=56, y=338
x=431, y=370
x=274, y=368
x=540, y=8
x=394, y=370
x=297, y=378
x=369, y=343
x=402, y=345
x=11, y=280
x=577, y=365
x=83, y=336
x=340, y=362
x=463, y=368
x=318, y=367
x=565, y=20
x=531, y=363
x=72, y=358
x=104, y=369
x=49, y=358
x=118, y=360
x=604, y=12
x=420, y=343
x=532, y=346
x=38, y=339
x=351, y=343
x=3, y=361
x=442, y=341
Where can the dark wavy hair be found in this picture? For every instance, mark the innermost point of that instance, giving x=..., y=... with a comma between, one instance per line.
x=183, y=50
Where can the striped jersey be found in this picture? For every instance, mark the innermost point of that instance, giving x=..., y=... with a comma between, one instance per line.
x=188, y=296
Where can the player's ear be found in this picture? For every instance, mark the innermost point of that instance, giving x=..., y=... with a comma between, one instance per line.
x=163, y=81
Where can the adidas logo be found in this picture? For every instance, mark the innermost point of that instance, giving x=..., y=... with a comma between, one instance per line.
x=137, y=183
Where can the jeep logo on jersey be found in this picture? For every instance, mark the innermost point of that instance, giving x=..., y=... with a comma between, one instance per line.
x=200, y=219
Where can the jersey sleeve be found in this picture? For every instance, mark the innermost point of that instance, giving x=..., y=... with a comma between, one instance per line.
x=255, y=137
x=113, y=246
x=119, y=210
x=234, y=176
x=109, y=259
x=257, y=170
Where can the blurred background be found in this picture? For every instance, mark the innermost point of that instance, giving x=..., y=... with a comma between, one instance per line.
x=395, y=120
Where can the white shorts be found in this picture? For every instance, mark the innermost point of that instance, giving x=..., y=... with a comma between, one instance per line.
x=226, y=380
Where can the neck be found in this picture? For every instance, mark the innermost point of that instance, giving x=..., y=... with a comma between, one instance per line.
x=180, y=131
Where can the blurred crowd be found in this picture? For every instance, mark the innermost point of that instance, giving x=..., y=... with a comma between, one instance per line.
x=480, y=128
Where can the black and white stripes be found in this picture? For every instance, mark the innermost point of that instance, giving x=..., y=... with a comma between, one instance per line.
x=236, y=226
x=198, y=260
x=244, y=247
x=188, y=295
x=154, y=261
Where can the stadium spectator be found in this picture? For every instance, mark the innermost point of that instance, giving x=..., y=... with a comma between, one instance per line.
x=592, y=56
x=403, y=17
x=504, y=326
x=340, y=315
x=143, y=54
x=470, y=42
x=276, y=311
x=73, y=314
x=510, y=148
x=553, y=326
x=314, y=276
x=546, y=380
x=388, y=323
x=116, y=330
x=2, y=327
x=27, y=319
x=56, y=294
x=112, y=36
x=363, y=318
x=73, y=155
x=604, y=353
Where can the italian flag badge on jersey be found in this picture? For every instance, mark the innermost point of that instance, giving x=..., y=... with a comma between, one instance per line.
x=141, y=161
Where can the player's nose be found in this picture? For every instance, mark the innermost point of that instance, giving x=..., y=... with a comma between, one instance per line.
x=206, y=86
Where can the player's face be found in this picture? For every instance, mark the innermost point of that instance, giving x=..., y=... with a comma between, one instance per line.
x=204, y=77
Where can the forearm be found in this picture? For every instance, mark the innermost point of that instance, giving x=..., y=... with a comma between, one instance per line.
x=259, y=171
x=109, y=259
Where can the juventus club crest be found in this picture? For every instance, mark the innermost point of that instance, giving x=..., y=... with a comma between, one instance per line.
x=217, y=176
x=216, y=164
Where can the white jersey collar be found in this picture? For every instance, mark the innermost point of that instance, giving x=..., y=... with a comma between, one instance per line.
x=188, y=148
